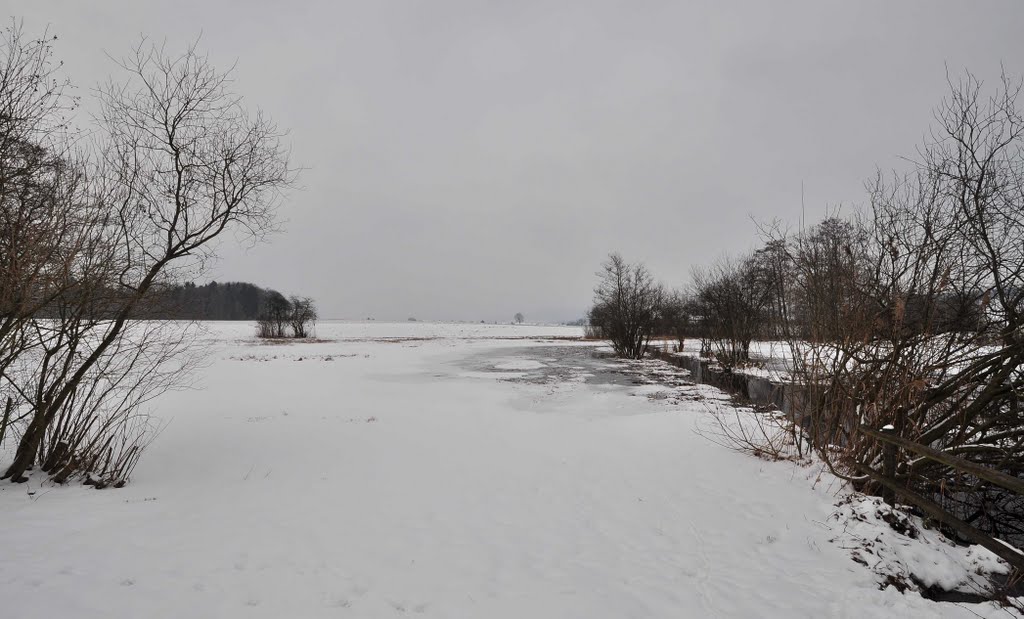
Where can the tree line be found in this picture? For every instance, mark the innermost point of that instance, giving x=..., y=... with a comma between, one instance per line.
x=906, y=315
x=213, y=301
x=276, y=315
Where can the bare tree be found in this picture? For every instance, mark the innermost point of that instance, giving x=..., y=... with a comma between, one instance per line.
x=180, y=162
x=519, y=318
x=42, y=228
x=679, y=317
x=38, y=185
x=627, y=306
x=302, y=317
x=910, y=319
x=733, y=299
x=275, y=316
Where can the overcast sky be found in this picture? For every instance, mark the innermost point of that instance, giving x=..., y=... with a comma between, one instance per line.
x=470, y=160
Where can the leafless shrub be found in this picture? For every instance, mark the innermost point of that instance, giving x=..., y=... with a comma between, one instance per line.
x=910, y=317
x=732, y=299
x=104, y=427
x=39, y=231
x=627, y=306
x=764, y=434
x=282, y=317
x=906, y=317
x=274, y=317
x=676, y=318
x=302, y=317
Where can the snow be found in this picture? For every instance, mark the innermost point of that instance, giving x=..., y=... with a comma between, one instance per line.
x=773, y=359
x=925, y=554
x=386, y=471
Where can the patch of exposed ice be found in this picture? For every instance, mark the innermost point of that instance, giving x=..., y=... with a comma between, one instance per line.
x=519, y=364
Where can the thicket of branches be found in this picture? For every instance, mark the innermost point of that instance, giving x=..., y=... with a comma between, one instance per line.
x=90, y=235
x=286, y=317
x=906, y=315
x=904, y=324
x=627, y=306
x=730, y=303
x=924, y=331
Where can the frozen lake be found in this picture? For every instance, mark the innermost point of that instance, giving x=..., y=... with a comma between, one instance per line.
x=421, y=469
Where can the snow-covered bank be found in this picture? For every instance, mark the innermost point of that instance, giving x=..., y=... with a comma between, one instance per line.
x=374, y=476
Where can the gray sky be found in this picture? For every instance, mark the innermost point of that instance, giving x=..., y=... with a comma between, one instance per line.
x=468, y=160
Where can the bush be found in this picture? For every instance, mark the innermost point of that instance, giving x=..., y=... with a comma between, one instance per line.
x=283, y=317
x=627, y=306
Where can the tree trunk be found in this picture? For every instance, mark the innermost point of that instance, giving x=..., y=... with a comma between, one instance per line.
x=6, y=419
x=25, y=456
x=30, y=441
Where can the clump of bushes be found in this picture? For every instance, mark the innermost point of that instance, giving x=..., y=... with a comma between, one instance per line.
x=286, y=317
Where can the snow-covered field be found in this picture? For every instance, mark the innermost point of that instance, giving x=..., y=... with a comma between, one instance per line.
x=433, y=470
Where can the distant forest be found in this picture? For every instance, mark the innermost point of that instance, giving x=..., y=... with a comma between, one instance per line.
x=213, y=301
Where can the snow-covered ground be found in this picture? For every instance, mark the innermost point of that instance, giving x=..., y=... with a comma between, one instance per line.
x=422, y=469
